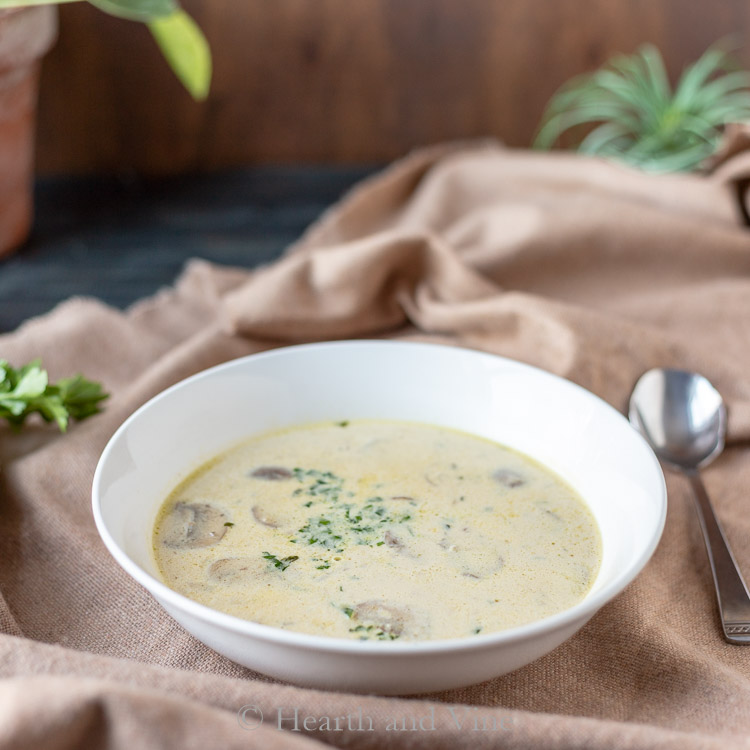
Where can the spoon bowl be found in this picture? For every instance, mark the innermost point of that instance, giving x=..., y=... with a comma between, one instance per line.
x=681, y=415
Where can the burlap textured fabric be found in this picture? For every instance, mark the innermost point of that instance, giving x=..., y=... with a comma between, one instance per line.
x=587, y=269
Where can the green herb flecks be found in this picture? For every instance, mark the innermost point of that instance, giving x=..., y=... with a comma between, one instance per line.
x=319, y=531
x=373, y=631
x=346, y=524
x=368, y=631
x=335, y=522
x=320, y=483
x=280, y=564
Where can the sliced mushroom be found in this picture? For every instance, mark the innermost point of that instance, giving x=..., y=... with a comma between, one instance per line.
x=482, y=569
x=390, y=619
x=191, y=525
x=437, y=473
x=233, y=568
x=391, y=540
x=396, y=543
x=262, y=517
x=508, y=478
x=272, y=473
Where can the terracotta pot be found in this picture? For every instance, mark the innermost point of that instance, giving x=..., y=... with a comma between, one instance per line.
x=25, y=35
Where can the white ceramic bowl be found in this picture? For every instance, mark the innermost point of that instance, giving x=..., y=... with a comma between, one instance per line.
x=556, y=422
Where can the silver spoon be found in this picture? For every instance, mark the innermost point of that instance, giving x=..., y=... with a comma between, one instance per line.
x=683, y=418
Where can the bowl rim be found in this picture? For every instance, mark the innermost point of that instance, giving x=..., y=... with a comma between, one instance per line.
x=583, y=610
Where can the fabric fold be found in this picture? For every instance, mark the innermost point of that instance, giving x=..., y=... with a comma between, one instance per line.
x=353, y=290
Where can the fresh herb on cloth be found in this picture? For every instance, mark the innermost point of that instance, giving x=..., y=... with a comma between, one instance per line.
x=27, y=390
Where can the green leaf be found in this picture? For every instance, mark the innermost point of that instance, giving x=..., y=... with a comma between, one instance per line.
x=186, y=50
x=26, y=391
x=683, y=161
x=716, y=90
x=137, y=10
x=52, y=409
x=15, y=407
x=31, y=383
x=81, y=397
x=657, y=74
x=603, y=137
x=558, y=124
x=635, y=71
x=730, y=108
x=693, y=79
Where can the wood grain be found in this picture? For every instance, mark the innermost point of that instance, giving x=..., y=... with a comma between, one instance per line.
x=341, y=81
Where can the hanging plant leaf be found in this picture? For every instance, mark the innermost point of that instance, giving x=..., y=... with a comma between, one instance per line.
x=186, y=50
x=137, y=10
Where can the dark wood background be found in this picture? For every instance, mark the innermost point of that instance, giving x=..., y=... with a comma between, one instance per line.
x=340, y=81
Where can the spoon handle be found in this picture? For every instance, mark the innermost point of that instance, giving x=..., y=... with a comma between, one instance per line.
x=731, y=590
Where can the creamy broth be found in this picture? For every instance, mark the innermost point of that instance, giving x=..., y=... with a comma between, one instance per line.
x=377, y=530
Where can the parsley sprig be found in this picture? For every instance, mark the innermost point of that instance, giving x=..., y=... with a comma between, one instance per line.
x=280, y=564
x=27, y=390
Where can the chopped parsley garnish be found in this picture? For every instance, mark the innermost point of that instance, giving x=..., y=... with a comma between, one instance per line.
x=229, y=523
x=373, y=631
x=339, y=523
x=281, y=564
x=320, y=483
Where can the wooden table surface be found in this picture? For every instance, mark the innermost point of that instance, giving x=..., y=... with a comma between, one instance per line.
x=121, y=239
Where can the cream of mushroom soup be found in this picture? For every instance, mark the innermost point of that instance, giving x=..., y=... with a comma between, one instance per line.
x=377, y=530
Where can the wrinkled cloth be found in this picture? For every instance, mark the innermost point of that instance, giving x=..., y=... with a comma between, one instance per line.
x=590, y=270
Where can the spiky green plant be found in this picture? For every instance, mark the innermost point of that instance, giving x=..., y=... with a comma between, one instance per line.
x=639, y=119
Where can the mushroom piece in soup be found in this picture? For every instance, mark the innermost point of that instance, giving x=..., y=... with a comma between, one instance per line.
x=191, y=525
x=383, y=531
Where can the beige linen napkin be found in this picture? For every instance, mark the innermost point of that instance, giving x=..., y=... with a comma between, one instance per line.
x=587, y=269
